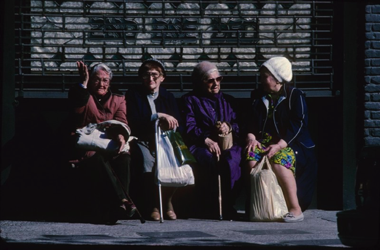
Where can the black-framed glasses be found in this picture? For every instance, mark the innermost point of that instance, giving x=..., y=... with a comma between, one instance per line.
x=154, y=75
x=212, y=80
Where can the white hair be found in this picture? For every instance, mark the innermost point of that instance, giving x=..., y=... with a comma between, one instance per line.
x=101, y=66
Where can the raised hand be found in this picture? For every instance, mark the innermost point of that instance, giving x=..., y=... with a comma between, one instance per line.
x=83, y=73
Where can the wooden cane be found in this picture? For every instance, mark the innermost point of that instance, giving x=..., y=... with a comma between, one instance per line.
x=220, y=190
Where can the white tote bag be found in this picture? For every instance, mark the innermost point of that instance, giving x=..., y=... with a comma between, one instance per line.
x=169, y=172
x=95, y=136
x=267, y=199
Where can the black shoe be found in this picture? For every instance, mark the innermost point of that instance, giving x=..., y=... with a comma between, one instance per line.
x=110, y=217
x=230, y=214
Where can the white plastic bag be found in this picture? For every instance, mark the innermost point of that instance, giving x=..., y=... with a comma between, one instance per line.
x=267, y=199
x=169, y=172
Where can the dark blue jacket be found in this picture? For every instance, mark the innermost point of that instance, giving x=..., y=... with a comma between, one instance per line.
x=139, y=112
x=290, y=117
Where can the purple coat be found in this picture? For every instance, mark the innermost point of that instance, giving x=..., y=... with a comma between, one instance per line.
x=200, y=113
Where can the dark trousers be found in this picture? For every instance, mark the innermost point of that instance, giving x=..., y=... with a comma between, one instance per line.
x=207, y=187
x=306, y=175
x=104, y=180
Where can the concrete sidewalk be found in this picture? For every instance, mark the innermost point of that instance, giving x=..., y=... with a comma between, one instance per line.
x=318, y=230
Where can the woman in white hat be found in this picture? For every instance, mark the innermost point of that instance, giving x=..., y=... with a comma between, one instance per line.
x=278, y=128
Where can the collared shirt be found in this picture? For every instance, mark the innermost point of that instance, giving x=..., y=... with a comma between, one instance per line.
x=151, y=98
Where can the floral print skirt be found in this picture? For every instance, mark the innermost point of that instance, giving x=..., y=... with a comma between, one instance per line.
x=284, y=157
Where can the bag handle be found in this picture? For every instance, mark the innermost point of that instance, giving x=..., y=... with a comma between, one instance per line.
x=261, y=164
x=158, y=133
x=269, y=166
x=158, y=126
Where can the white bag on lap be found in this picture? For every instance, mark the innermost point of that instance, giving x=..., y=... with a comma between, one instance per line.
x=98, y=136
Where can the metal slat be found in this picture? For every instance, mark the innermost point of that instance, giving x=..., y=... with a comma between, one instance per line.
x=237, y=35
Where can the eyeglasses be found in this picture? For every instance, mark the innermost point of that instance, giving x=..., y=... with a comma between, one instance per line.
x=103, y=80
x=148, y=75
x=212, y=80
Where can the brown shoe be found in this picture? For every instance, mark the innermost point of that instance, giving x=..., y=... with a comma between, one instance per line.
x=155, y=215
x=170, y=215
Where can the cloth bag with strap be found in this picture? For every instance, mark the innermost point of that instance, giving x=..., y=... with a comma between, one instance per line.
x=98, y=136
x=225, y=141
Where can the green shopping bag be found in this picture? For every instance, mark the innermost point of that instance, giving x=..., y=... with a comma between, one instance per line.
x=181, y=151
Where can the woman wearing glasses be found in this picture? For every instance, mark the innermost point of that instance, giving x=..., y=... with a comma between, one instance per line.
x=209, y=113
x=145, y=104
x=92, y=101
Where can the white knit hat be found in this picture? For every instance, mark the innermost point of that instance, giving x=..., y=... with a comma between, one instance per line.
x=280, y=67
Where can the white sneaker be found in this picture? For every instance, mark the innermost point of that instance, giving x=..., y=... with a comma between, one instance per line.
x=289, y=217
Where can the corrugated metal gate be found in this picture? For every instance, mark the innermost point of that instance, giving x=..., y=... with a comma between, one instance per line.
x=238, y=35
